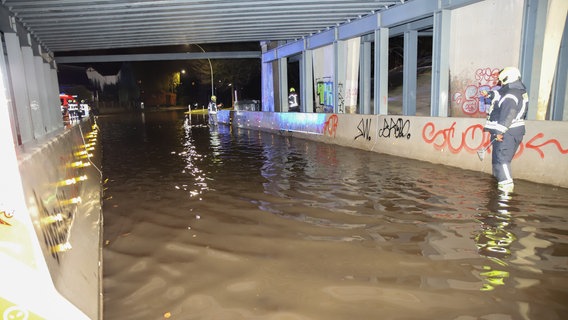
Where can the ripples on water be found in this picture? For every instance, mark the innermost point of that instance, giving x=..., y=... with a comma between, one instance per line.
x=210, y=223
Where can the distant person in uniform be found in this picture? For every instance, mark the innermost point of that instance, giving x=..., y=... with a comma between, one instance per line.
x=293, y=105
x=506, y=123
x=212, y=110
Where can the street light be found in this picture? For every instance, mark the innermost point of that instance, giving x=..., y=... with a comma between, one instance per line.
x=210, y=67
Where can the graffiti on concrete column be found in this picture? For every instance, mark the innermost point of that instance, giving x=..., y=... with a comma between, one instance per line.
x=325, y=96
x=364, y=128
x=340, y=98
x=395, y=128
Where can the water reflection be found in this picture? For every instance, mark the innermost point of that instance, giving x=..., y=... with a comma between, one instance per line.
x=193, y=160
x=495, y=238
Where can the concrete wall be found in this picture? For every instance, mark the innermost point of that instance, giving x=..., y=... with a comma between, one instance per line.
x=51, y=228
x=485, y=38
x=542, y=157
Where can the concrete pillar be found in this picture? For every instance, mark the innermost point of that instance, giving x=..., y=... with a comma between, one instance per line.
x=33, y=92
x=267, y=78
x=53, y=97
x=277, y=106
x=19, y=87
x=349, y=81
x=41, y=83
x=12, y=116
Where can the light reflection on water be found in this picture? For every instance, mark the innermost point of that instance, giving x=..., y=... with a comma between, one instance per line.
x=213, y=223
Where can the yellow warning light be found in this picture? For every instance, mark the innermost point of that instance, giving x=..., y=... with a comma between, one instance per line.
x=79, y=164
x=80, y=153
x=75, y=200
x=61, y=247
x=70, y=181
x=52, y=218
x=84, y=155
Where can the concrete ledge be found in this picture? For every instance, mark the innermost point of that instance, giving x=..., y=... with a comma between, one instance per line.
x=542, y=157
x=62, y=188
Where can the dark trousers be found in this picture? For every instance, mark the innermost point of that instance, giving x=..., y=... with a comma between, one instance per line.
x=503, y=153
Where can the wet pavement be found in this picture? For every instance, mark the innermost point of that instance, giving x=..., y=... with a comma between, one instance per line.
x=205, y=222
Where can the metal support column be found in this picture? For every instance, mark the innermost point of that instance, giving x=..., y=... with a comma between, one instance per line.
x=409, y=73
x=560, y=91
x=365, y=78
x=307, y=82
x=381, y=71
x=283, y=84
x=532, y=50
x=339, y=75
x=440, y=64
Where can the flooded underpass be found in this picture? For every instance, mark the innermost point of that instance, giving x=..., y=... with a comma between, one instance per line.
x=208, y=222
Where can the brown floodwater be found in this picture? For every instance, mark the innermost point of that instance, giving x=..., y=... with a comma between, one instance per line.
x=207, y=222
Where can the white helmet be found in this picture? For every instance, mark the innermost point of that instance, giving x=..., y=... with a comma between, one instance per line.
x=508, y=75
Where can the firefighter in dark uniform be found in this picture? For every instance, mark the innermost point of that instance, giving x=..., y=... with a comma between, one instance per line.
x=506, y=123
x=212, y=109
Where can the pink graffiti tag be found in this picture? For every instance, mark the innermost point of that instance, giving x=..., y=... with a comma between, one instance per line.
x=330, y=126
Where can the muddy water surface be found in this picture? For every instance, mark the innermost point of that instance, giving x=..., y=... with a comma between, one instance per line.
x=213, y=223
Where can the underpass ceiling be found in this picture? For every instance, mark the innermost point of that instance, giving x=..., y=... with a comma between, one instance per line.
x=73, y=25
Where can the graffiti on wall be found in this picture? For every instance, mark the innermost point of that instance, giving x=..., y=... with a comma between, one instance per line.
x=5, y=216
x=537, y=142
x=395, y=128
x=340, y=98
x=364, y=129
x=473, y=138
x=330, y=126
x=324, y=91
x=468, y=99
